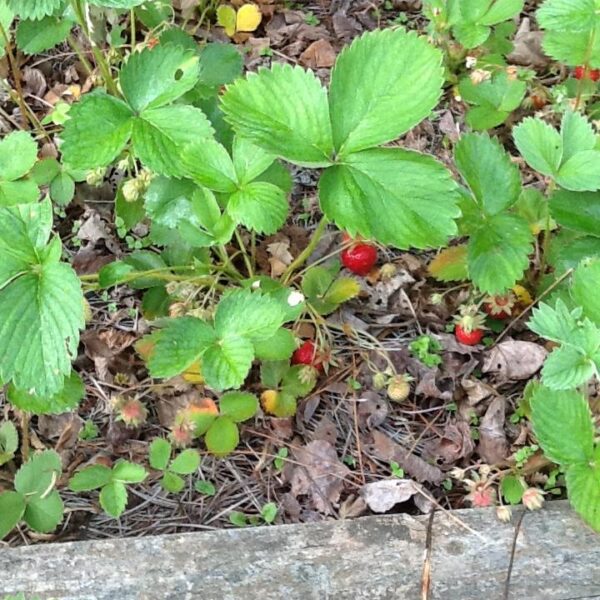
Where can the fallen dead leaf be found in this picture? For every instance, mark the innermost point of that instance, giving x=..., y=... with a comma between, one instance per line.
x=493, y=446
x=386, y=449
x=280, y=257
x=455, y=443
x=319, y=475
x=476, y=390
x=319, y=54
x=514, y=359
x=527, y=47
x=382, y=496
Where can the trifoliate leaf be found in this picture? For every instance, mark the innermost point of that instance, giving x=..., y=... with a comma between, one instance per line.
x=226, y=363
x=573, y=441
x=155, y=77
x=34, y=9
x=498, y=252
x=405, y=77
x=181, y=342
x=583, y=486
x=247, y=314
x=160, y=134
x=65, y=400
x=285, y=111
x=259, y=206
x=86, y=144
x=394, y=196
x=239, y=406
x=222, y=437
x=488, y=171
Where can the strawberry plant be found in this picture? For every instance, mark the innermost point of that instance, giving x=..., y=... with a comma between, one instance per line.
x=185, y=463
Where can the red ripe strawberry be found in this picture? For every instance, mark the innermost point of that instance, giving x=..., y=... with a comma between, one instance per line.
x=469, y=326
x=359, y=258
x=587, y=73
x=307, y=355
x=468, y=338
x=499, y=307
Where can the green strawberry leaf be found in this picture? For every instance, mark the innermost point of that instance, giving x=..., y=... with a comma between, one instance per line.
x=34, y=9
x=414, y=192
x=155, y=77
x=405, y=78
x=86, y=145
x=222, y=437
x=278, y=347
x=585, y=288
x=566, y=15
x=227, y=362
x=208, y=163
x=113, y=499
x=581, y=173
x=567, y=367
x=498, y=252
x=583, y=486
x=128, y=472
x=65, y=400
x=159, y=454
x=250, y=161
x=38, y=475
x=239, y=406
x=259, y=206
x=159, y=135
x=44, y=514
x=579, y=211
x=512, y=489
x=12, y=509
x=34, y=37
x=181, y=342
x=186, y=463
x=243, y=313
x=173, y=483
x=90, y=478
x=122, y=4
x=298, y=130
x=488, y=171
x=18, y=154
x=540, y=145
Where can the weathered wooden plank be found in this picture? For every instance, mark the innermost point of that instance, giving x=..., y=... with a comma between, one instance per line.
x=557, y=558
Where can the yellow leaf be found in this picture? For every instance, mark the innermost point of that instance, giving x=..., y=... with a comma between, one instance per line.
x=226, y=18
x=248, y=18
x=450, y=264
x=523, y=296
x=193, y=374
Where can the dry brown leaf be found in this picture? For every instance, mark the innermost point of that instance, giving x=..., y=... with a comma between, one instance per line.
x=386, y=449
x=514, y=359
x=493, y=446
x=319, y=54
x=527, y=47
x=455, y=443
x=476, y=390
x=280, y=257
x=382, y=496
x=319, y=475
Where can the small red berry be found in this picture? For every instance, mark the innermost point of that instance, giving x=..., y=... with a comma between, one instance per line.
x=359, y=258
x=468, y=338
x=307, y=355
x=582, y=72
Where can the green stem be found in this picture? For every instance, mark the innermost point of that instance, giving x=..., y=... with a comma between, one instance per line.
x=133, y=33
x=305, y=254
x=228, y=266
x=80, y=55
x=98, y=55
x=247, y=261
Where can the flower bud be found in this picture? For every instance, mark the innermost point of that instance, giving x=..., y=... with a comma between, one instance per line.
x=504, y=513
x=533, y=498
